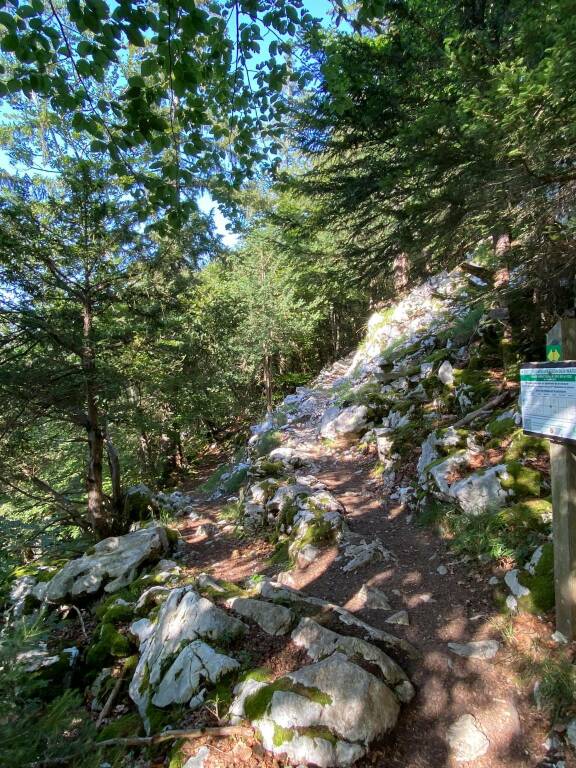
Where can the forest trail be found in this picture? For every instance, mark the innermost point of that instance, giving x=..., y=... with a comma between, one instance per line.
x=453, y=605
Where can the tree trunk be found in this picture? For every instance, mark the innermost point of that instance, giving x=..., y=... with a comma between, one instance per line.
x=96, y=513
x=502, y=247
x=401, y=270
x=268, y=381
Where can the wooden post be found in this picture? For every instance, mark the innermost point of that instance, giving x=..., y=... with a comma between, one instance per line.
x=561, y=345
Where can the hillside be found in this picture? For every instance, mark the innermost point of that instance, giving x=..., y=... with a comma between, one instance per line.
x=370, y=582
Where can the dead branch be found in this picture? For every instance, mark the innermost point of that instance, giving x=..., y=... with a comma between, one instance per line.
x=485, y=408
x=111, y=699
x=197, y=733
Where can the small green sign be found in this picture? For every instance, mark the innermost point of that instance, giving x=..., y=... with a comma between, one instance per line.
x=554, y=351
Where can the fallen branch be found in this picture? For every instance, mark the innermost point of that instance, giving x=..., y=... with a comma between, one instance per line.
x=485, y=409
x=111, y=699
x=197, y=733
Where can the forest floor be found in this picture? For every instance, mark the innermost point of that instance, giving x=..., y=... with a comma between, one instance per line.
x=455, y=607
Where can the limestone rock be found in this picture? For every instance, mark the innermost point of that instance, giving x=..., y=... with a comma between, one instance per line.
x=363, y=553
x=467, y=742
x=113, y=565
x=183, y=618
x=374, y=598
x=441, y=472
x=345, y=424
x=198, y=759
x=321, y=642
x=196, y=663
x=274, y=619
x=515, y=587
x=478, y=649
x=287, y=495
x=400, y=618
x=333, y=697
x=446, y=373
x=480, y=491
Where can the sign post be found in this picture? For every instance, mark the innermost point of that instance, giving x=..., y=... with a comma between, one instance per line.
x=549, y=410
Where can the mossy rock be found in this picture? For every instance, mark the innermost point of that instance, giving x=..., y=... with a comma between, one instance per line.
x=270, y=468
x=541, y=585
x=110, y=644
x=526, y=446
x=523, y=481
x=257, y=704
x=267, y=442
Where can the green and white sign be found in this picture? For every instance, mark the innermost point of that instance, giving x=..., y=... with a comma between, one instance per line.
x=548, y=400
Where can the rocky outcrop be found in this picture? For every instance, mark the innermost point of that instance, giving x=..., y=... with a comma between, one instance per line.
x=326, y=714
x=176, y=662
x=113, y=564
x=344, y=425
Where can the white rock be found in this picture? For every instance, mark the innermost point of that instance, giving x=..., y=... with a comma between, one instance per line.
x=443, y=470
x=400, y=618
x=442, y=570
x=357, y=710
x=477, y=649
x=198, y=759
x=363, y=553
x=558, y=637
x=374, y=598
x=480, y=491
x=534, y=560
x=466, y=740
x=113, y=565
x=571, y=732
x=321, y=642
x=195, y=664
x=446, y=373
x=183, y=618
x=274, y=619
x=517, y=589
x=344, y=424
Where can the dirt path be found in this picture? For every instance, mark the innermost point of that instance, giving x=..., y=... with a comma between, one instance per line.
x=454, y=607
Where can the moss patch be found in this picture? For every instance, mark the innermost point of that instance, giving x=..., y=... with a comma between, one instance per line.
x=257, y=704
x=127, y=725
x=525, y=482
x=526, y=446
x=541, y=584
x=502, y=427
x=281, y=735
x=110, y=643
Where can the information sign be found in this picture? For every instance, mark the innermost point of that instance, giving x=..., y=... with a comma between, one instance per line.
x=548, y=400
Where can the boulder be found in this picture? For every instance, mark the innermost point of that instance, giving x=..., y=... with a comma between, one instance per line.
x=344, y=425
x=480, y=491
x=167, y=671
x=325, y=714
x=138, y=503
x=446, y=373
x=321, y=642
x=113, y=564
x=274, y=619
x=467, y=742
x=287, y=495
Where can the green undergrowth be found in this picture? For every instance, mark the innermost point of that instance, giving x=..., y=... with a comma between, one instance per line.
x=231, y=485
x=267, y=442
x=523, y=481
x=524, y=446
x=509, y=533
